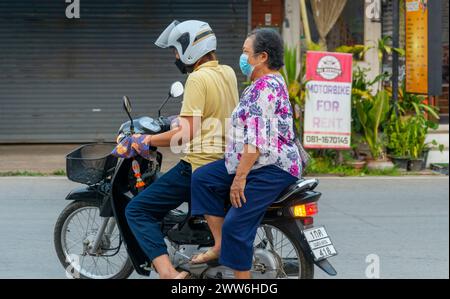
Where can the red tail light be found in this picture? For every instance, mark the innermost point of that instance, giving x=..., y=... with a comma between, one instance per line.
x=305, y=210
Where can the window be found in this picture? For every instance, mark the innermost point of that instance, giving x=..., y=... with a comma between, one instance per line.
x=349, y=28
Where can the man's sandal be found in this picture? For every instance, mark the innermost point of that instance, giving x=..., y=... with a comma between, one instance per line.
x=204, y=257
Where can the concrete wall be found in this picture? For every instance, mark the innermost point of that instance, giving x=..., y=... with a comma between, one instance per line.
x=372, y=32
x=292, y=27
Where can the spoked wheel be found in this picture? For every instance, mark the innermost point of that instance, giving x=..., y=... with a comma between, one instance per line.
x=278, y=255
x=75, y=236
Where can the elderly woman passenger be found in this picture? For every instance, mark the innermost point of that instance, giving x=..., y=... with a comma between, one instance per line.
x=261, y=158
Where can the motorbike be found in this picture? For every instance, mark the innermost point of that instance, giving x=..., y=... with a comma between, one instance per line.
x=93, y=240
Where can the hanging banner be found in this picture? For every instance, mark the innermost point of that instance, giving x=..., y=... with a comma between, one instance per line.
x=417, y=46
x=328, y=100
x=424, y=47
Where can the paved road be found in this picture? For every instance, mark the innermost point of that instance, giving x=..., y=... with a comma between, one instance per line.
x=404, y=221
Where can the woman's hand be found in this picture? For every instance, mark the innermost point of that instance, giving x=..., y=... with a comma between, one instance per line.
x=237, y=196
x=248, y=159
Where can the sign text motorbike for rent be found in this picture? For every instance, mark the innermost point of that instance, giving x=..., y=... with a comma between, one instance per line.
x=328, y=100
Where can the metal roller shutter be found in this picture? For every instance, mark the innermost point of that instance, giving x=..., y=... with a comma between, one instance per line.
x=62, y=80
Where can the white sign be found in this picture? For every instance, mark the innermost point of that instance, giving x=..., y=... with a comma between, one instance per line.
x=328, y=100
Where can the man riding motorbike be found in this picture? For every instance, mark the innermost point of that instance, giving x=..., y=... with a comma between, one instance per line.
x=210, y=96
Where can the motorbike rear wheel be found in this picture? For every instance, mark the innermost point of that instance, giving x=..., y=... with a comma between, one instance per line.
x=83, y=217
x=283, y=241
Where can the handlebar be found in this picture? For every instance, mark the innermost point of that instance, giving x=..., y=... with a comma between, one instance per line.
x=146, y=125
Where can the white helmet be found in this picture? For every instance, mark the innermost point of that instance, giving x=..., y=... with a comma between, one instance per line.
x=192, y=39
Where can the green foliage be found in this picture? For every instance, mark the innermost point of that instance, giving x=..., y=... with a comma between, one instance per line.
x=59, y=172
x=326, y=166
x=373, y=117
x=407, y=132
x=289, y=73
x=409, y=102
x=407, y=135
x=362, y=89
x=315, y=47
x=398, y=138
x=372, y=112
x=21, y=173
x=385, y=49
x=290, y=69
x=358, y=51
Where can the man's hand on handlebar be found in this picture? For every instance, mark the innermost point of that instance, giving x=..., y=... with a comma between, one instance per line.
x=148, y=140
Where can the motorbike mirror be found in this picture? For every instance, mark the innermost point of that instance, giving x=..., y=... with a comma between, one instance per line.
x=127, y=107
x=177, y=89
x=127, y=104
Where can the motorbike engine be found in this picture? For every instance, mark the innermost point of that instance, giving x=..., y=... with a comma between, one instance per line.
x=266, y=264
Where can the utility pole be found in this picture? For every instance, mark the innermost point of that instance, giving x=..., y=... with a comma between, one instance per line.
x=306, y=29
x=395, y=60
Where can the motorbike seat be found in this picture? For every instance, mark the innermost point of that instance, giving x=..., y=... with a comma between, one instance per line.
x=298, y=187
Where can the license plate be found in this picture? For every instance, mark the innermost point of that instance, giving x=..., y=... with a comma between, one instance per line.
x=319, y=243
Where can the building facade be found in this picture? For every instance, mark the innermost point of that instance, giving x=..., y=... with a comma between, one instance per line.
x=62, y=79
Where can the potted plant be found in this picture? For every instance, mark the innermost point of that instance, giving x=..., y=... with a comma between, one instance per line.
x=369, y=111
x=407, y=132
x=407, y=136
x=372, y=111
x=418, y=127
x=396, y=130
x=355, y=163
x=354, y=158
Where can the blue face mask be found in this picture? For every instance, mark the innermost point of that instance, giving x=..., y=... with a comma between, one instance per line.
x=246, y=68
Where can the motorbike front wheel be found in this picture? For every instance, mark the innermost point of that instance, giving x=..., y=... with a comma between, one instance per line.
x=74, y=236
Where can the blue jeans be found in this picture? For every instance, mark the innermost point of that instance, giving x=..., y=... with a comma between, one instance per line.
x=146, y=211
x=211, y=189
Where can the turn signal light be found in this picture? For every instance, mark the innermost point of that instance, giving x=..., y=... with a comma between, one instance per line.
x=305, y=210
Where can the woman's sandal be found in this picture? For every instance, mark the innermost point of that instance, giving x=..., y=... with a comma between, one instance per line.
x=204, y=257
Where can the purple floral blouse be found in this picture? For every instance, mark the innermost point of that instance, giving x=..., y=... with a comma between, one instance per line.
x=263, y=118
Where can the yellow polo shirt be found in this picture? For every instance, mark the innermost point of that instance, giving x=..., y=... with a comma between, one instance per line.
x=211, y=92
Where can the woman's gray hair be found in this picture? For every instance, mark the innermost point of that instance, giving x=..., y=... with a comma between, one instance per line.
x=269, y=41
